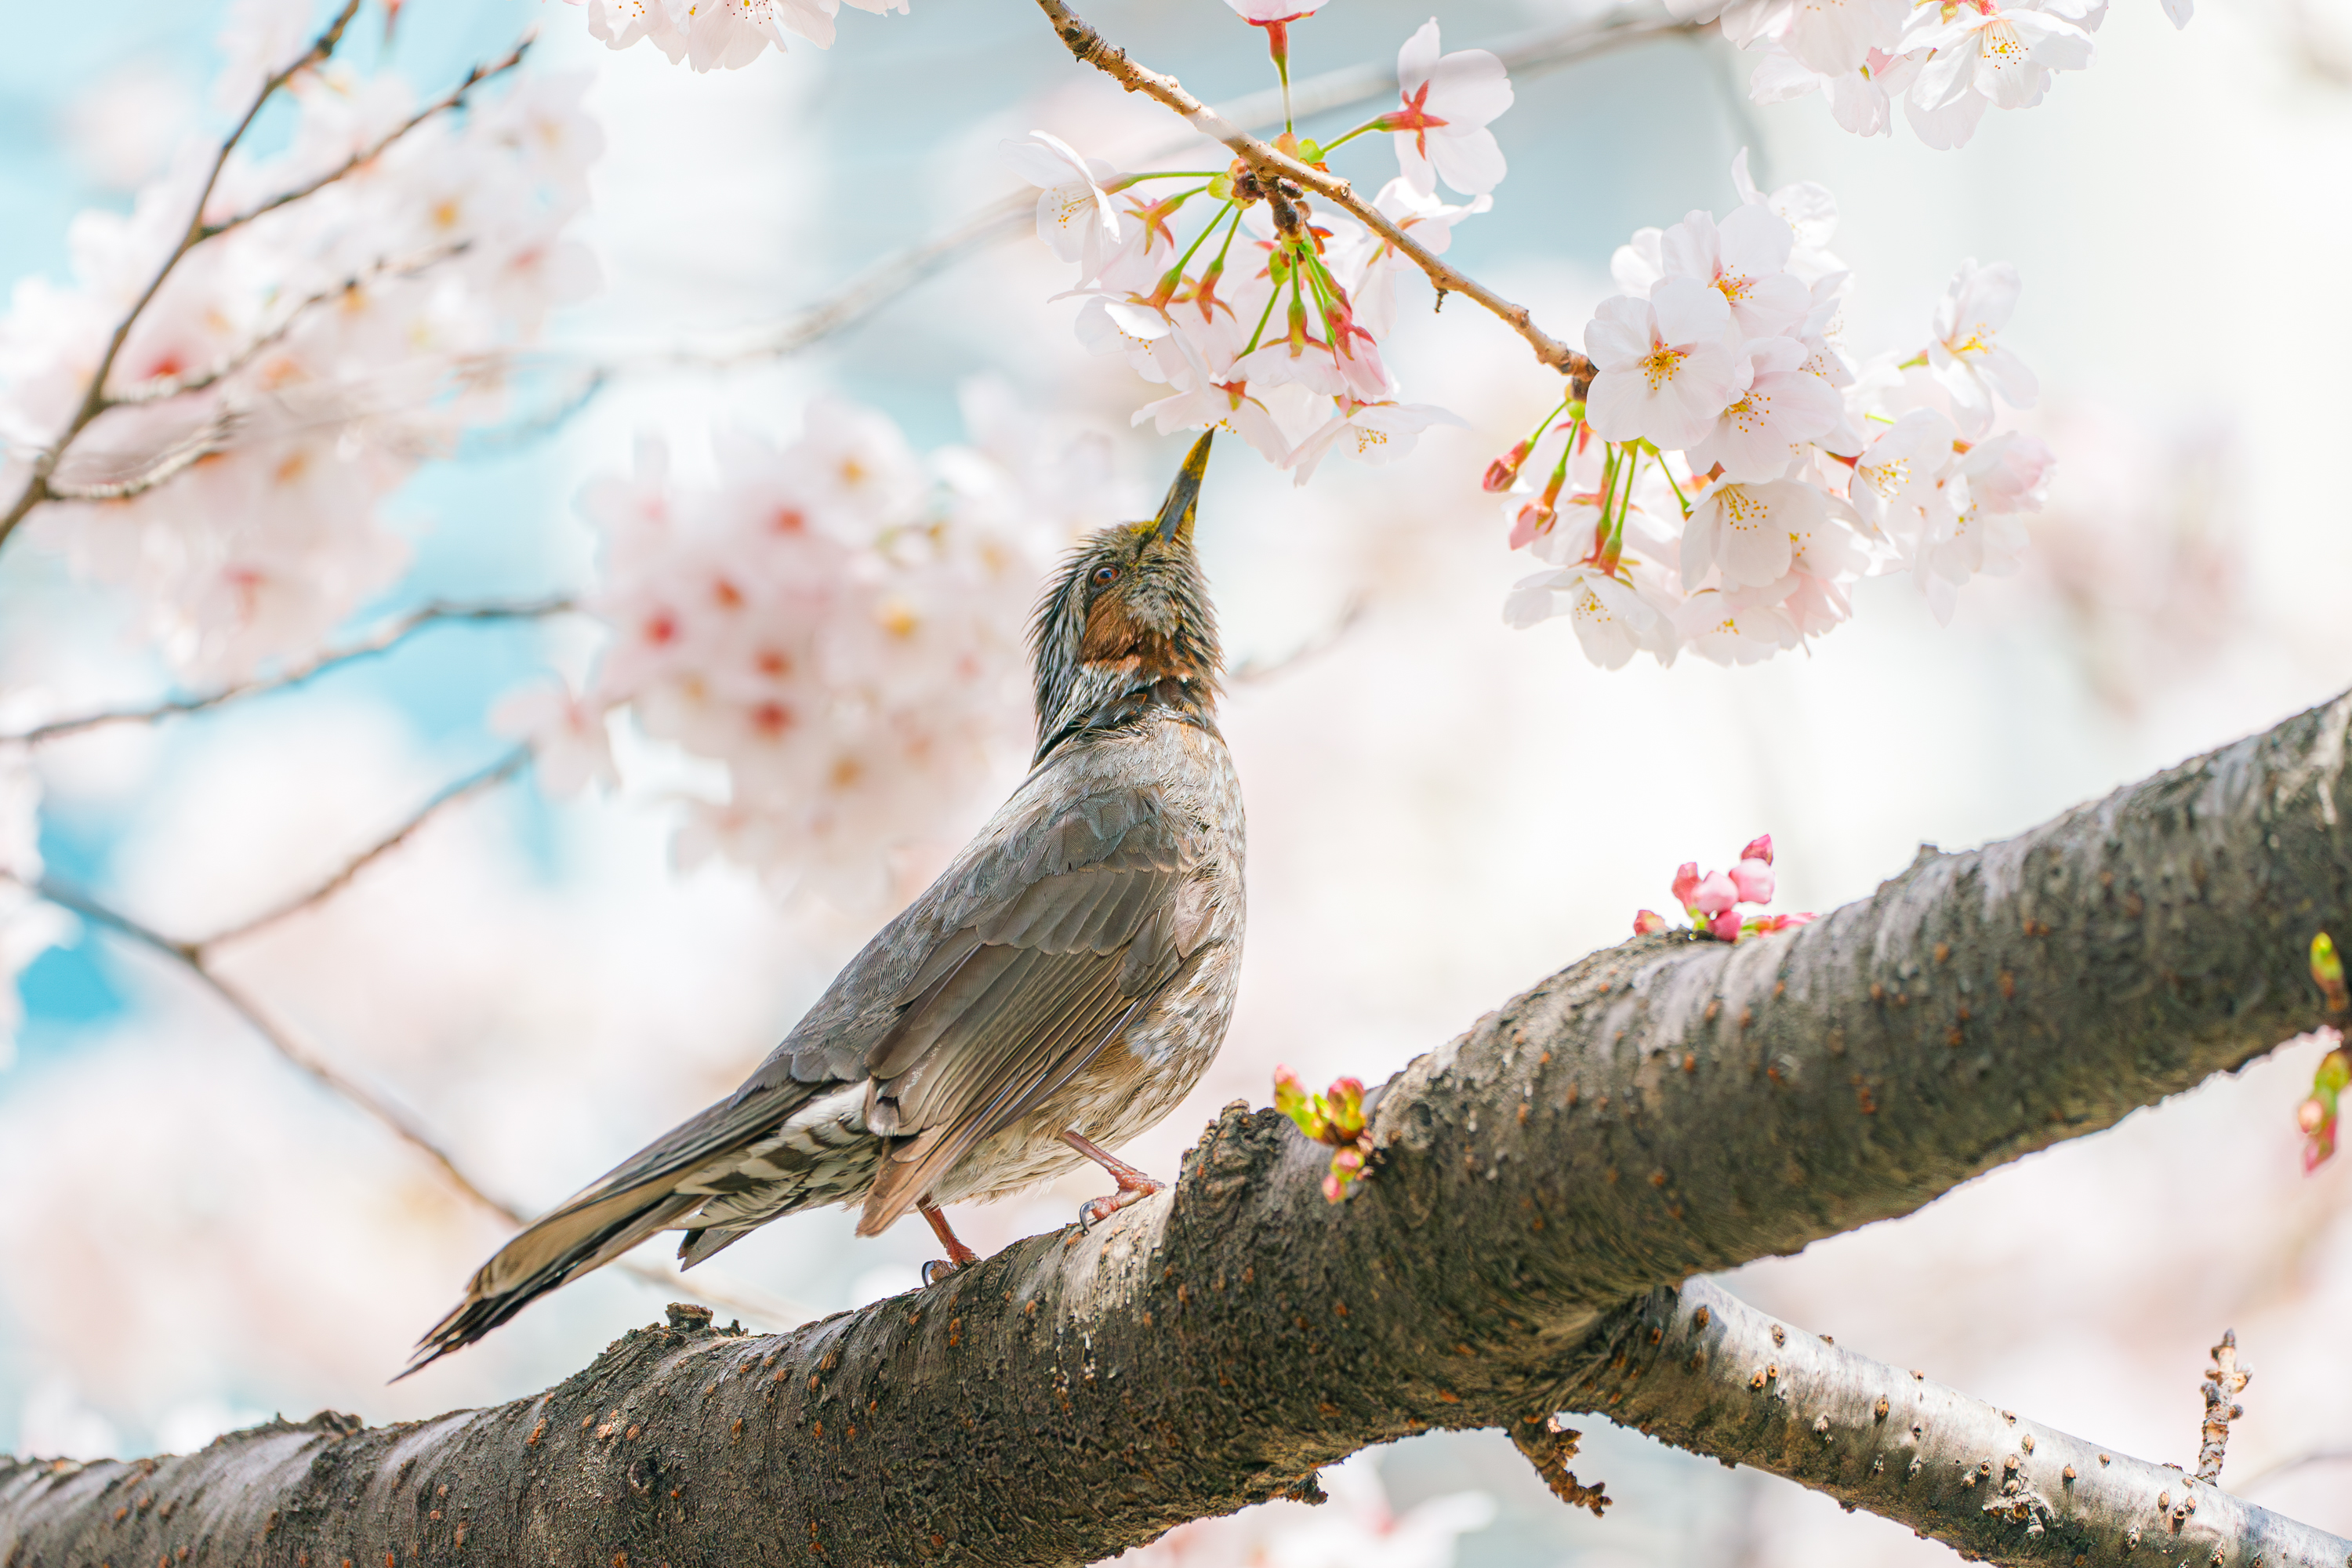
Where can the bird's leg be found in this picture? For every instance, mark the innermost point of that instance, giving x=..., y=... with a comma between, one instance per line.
x=939, y=1268
x=1134, y=1186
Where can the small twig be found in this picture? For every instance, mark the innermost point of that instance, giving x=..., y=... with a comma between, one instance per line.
x=169, y=387
x=93, y=400
x=185, y=453
x=448, y=101
x=1089, y=48
x=2224, y=1381
x=473, y=783
x=387, y=1113
x=382, y=641
x=1253, y=672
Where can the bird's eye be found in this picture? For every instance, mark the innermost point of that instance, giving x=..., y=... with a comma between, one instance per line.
x=1106, y=575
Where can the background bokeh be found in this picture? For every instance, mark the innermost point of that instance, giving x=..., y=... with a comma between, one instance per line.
x=1441, y=810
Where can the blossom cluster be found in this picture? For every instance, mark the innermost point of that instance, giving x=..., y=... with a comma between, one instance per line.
x=836, y=622
x=1946, y=60
x=1731, y=472
x=718, y=35
x=1266, y=317
x=1335, y=1117
x=308, y=359
x=1713, y=901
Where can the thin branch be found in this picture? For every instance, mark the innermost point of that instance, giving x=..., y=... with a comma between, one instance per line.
x=208, y=438
x=2224, y=1381
x=169, y=387
x=382, y=640
x=93, y=401
x=448, y=101
x=1255, y=671
x=1275, y=168
x=473, y=783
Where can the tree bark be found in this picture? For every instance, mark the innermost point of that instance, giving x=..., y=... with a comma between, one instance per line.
x=1541, y=1187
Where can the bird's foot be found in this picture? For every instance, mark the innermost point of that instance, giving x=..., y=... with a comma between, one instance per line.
x=939, y=1268
x=1094, y=1211
x=1134, y=1186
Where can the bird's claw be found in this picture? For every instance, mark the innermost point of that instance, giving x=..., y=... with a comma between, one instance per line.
x=939, y=1268
x=1094, y=1211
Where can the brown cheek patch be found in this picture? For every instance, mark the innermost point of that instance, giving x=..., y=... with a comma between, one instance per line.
x=1113, y=635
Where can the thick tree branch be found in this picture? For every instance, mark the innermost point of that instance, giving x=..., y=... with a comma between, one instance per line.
x=391, y=635
x=1660, y=1110
x=1275, y=167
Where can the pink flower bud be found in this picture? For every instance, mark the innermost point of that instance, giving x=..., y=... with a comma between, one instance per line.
x=1534, y=519
x=1685, y=882
x=1724, y=927
x=2310, y=1116
x=1758, y=848
x=1504, y=471
x=1648, y=922
x=1715, y=894
x=1754, y=880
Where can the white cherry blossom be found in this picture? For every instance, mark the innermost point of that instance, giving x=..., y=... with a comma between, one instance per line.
x=1612, y=622
x=1743, y=259
x=2002, y=54
x=1895, y=480
x=1441, y=130
x=1374, y=433
x=1766, y=426
x=1076, y=215
x=718, y=35
x=1663, y=372
x=1967, y=355
x=1749, y=531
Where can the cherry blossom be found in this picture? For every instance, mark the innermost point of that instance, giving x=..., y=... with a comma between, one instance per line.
x=1765, y=429
x=1665, y=375
x=718, y=35
x=1076, y=215
x=1965, y=352
x=1742, y=258
x=29, y=927
x=567, y=736
x=1374, y=433
x=2003, y=55
x=836, y=622
x=1613, y=621
x=1712, y=901
x=1441, y=130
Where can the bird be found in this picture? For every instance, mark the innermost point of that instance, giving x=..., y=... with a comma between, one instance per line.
x=1058, y=990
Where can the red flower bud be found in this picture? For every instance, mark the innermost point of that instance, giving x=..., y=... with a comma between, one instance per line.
x=1504, y=471
x=1759, y=848
x=1648, y=922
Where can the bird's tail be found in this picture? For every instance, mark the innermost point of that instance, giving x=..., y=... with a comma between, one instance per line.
x=584, y=1234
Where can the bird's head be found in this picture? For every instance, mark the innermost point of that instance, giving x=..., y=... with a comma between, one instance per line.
x=1128, y=618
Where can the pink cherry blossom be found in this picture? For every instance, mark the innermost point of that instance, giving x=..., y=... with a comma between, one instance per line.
x=2000, y=54
x=1754, y=880
x=1441, y=130
x=1758, y=848
x=1373, y=432
x=1613, y=621
x=567, y=737
x=1685, y=882
x=1724, y=927
x=1748, y=531
x=1665, y=375
x=1716, y=894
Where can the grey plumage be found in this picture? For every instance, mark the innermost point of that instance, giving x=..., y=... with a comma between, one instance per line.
x=1072, y=969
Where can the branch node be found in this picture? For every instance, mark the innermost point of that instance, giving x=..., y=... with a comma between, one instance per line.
x=2225, y=1379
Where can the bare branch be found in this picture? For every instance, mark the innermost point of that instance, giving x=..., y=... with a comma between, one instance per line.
x=382, y=640
x=473, y=783
x=168, y=388
x=772, y=1310
x=185, y=453
x=2224, y=1381
x=1254, y=671
x=93, y=401
x=1274, y=168
x=451, y=99
x=1704, y=1371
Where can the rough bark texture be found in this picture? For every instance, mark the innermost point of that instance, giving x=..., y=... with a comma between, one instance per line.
x=1658, y=1110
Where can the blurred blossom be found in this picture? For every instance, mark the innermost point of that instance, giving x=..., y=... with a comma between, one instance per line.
x=1355, y=1528
x=839, y=621
x=55, y=1424
x=718, y=35
x=340, y=337
x=29, y=927
x=123, y=127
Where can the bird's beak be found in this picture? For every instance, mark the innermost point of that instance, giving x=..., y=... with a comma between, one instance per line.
x=1176, y=512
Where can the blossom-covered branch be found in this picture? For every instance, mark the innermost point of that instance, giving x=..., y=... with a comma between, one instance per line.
x=1275, y=168
x=382, y=640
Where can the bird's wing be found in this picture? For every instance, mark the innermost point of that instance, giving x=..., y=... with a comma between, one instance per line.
x=1095, y=911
